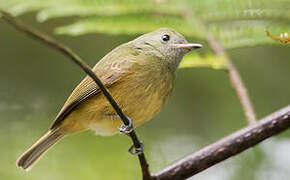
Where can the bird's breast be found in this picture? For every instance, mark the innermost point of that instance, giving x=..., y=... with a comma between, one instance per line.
x=143, y=93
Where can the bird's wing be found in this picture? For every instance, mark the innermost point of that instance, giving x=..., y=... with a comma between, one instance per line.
x=109, y=74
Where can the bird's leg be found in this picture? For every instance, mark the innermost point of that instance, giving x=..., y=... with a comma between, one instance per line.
x=127, y=129
x=136, y=151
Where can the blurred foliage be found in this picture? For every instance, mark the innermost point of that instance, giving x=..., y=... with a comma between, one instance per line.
x=235, y=23
x=195, y=60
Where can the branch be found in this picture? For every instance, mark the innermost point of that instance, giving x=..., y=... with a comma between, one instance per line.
x=234, y=75
x=284, y=37
x=241, y=91
x=236, y=80
x=86, y=68
x=227, y=147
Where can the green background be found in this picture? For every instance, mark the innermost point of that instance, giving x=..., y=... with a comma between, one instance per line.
x=35, y=81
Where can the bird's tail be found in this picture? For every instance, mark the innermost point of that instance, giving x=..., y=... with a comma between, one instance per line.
x=28, y=158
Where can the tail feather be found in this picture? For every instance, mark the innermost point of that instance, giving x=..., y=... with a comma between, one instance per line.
x=28, y=158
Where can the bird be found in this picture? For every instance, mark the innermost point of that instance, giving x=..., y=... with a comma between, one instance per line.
x=140, y=76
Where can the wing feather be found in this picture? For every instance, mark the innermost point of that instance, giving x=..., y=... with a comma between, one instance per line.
x=109, y=69
x=109, y=75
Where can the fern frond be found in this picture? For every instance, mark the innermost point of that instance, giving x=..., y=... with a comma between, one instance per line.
x=247, y=32
x=131, y=24
x=235, y=23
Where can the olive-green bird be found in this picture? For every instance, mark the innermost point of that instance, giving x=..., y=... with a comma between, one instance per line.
x=139, y=75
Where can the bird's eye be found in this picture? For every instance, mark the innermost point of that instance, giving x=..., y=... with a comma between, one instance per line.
x=165, y=37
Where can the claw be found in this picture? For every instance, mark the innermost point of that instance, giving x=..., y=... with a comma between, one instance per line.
x=127, y=128
x=136, y=151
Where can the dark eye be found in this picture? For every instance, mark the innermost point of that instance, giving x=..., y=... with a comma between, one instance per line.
x=165, y=37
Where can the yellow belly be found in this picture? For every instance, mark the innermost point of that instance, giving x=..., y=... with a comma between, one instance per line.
x=139, y=101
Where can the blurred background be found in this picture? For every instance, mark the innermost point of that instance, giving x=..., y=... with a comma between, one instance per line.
x=35, y=82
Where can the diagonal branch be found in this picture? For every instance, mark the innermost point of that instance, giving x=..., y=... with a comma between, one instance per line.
x=80, y=62
x=234, y=75
x=227, y=147
x=235, y=78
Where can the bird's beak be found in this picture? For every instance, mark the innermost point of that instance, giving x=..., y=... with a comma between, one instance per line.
x=188, y=46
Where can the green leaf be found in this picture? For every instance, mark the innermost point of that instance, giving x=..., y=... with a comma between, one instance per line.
x=234, y=23
x=130, y=24
x=210, y=60
x=232, y=34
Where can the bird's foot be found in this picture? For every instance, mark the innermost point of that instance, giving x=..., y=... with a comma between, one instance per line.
x=136, y=151
x=127, y=128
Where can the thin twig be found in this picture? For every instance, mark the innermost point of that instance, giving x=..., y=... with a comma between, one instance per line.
x=241, y=90
x=235, y=78
x=284, y=37
x=81, y=63
x=227, y=147
x=234, y=75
